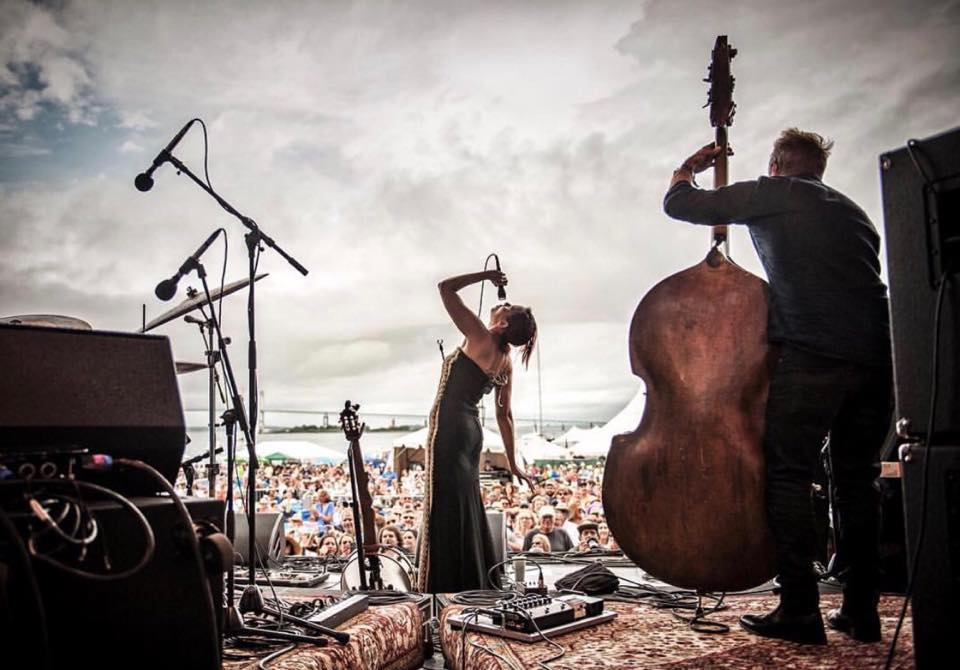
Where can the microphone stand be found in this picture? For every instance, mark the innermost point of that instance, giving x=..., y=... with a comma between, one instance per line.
x=254, y=238
x=251, y=600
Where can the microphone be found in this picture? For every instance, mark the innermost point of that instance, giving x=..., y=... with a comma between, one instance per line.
x=144, y=180
x=168, y=287
x=501, y=291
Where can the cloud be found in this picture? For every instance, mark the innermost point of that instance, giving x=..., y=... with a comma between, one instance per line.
x=41, y=65
x=388, y=146
x=130, y=147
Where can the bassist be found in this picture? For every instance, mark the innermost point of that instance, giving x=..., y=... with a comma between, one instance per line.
x=828, y=316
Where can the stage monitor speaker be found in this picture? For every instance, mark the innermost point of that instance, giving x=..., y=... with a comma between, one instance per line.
x=921, y=209
x=110, y=393
x=269, y=542
x=498, y=531
x=936, y=589
x=163, y=616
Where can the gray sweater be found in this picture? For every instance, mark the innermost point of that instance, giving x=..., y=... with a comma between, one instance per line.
x=821, y=255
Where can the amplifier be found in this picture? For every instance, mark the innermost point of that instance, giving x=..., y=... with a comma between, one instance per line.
x=936, y=589
x=71, y=391
x=163, y=615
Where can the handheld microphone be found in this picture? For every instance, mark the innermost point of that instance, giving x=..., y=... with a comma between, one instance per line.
x=501, y=291
x=168, y=287
x=144, y=180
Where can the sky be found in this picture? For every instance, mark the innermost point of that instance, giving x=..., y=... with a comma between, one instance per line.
x=387, y=145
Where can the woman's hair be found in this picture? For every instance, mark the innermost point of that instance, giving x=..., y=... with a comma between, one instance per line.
x=521, y=331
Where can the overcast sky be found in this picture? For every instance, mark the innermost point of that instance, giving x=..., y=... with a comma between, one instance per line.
x=387, y=145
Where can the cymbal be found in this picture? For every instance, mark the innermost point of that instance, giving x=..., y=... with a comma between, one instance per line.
x=184, y=367
x=198, y=300
x=47, y=321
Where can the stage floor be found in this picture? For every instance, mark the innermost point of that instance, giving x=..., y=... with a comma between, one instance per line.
x=646, y=636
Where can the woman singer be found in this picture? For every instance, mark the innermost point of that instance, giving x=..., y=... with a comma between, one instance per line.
x=456, y=549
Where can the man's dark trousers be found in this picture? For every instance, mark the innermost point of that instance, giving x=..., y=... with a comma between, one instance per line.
x=810, y=396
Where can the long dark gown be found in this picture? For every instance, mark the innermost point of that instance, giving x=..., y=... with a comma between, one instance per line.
x=456, y=548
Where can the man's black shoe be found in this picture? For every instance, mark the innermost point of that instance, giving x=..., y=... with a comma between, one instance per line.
x=864, y=627
x=801, y=628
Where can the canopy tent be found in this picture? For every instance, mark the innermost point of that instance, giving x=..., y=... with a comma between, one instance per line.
x=596, y=442
x=409, y=449
x=418, y=438
x=576, y=434
x=296, y=450
x=535, y=449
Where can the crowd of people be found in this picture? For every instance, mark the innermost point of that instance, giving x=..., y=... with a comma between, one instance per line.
x=562, y=513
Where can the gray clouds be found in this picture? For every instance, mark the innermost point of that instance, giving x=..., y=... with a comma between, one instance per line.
x=388, y=145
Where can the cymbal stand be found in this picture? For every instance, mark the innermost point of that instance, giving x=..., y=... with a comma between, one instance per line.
x=235, y=625
x=213, y=383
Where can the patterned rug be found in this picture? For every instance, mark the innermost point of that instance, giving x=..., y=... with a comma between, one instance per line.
x=645, y=637
x=388, y=637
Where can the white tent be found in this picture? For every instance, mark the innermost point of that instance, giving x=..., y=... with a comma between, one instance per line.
x=414, y=440
x=298, y=450
x=409, y=449
x=417, y=439
x=576, y=434
x=534, y=448
x=597, y=441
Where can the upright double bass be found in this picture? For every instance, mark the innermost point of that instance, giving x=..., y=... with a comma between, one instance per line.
x=684, y=492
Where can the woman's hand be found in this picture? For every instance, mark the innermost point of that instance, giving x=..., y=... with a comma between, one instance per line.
x=522, y=476
x=496, y=277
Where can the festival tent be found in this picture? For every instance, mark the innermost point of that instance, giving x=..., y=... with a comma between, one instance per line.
x=409, y=449
x=296, y=450
x=596, y=443
x=576, y=434
x=535, y=449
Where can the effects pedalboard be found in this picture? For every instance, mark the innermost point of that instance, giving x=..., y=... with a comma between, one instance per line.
x=525, y=618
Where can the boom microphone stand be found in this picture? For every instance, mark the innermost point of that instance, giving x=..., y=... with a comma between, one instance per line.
x=255, y=238
x=251, y=600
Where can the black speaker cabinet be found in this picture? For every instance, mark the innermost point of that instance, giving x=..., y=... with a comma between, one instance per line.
x=164, y=616
x=921, y=209
x=269, y=541
x=936, y=589
x=109, y=393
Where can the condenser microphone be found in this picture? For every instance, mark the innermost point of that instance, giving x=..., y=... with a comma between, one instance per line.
x=144, y=180
x=168, y=287
x=501, y=291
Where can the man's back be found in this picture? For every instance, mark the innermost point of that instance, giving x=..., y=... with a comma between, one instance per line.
x=821, y=255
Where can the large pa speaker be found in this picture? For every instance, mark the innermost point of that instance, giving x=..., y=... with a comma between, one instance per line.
x=921, y=208
x=163, y=616
x=269, y=541
x=113, y=393
x=936, y=588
